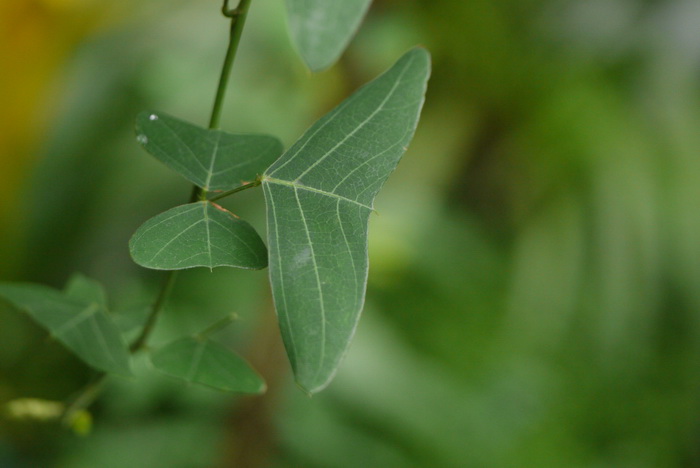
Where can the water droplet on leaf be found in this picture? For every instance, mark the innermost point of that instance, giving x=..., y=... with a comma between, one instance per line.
x=153, y=117
x=143, y=139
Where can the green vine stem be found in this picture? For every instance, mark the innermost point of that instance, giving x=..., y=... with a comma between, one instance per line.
x=84, y=399
x=236, y=190
x=92, y=390
x=238, y=16
x=140, y=342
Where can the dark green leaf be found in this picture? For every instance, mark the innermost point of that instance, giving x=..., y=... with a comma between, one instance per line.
x=322, y=29
x=83, y=326
x=319, y=196
x=197, y=234
x=206, y=362
x=211, y=159
x=87, y=290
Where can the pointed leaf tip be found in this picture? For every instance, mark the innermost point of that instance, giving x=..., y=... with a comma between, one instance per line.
x=319, y=195
x=322, y=29
x=84, y=289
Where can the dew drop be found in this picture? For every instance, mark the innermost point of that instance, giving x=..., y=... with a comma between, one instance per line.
x=153, y=117
x=143, y=139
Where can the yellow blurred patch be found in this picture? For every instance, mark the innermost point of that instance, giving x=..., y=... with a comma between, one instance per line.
x=36, y=38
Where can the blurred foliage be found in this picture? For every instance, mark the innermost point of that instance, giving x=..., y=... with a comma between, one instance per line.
x=535, y=279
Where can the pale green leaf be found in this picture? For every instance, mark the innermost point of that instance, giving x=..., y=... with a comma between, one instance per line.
x=82, y=326
x=322, y=29
x=207, y=363
x=84, y=289
x=197, y=234
x=132, y=318
x=319, y=197
x=211, y=159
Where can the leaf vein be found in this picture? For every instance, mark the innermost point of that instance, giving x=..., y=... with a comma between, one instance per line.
x=318, y=284
x=81, y=317
x=374, y=113
x=175, y=238
x=296, y=185
x=186, y=146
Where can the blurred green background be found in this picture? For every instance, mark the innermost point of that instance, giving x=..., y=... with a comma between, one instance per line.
x=534, y=290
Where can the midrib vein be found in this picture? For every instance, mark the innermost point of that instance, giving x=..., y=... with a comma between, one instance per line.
x=298, y=186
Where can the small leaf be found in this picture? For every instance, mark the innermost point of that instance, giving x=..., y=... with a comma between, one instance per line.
x=84, y=327
x=87, y=290
x=211, y=159
x=197, y=234
x=319, y=195
x=207, y=363
x=322, y=29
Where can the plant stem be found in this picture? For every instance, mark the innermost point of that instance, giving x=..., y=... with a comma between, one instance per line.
x=238, y=16
x=140, y=342
x=236, y=190
x=92, y=390
x=84, y=399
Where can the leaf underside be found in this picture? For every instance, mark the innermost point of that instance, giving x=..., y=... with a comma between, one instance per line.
x=83, y=326
x=211, y=159
x=207, y=363
x=319, y=195
x=194, y=235
x=322, y=29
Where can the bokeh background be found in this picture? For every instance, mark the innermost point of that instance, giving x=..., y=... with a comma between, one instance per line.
x=534, y=290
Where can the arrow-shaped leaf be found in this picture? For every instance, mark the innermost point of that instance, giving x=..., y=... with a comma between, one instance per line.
x=206, y=362
x=211, y=159
x=322, y=29
x=319, y=196
x=83, y=326
x=197, y=234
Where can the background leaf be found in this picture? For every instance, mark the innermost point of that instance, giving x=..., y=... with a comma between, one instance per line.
x=319, y=196
x=131, y=319
x=211, y=159
x=83, y=326
x=84, y=289
x=322, y=29
x=197, y=234
x=207, y=363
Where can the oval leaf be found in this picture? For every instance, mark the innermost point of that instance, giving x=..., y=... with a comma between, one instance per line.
x=207, y=363
x=84, y=327
x=322, y=29
x=211, y=159
x=319, y=195
x=194, y=235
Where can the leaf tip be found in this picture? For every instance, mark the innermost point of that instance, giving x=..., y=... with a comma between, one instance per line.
x=310, y=388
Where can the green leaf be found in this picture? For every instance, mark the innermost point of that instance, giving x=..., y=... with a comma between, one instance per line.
x=197, y=234
x=322, y=29
x=82, y=326
x=207, y=363
x=84, y=289
x=319, y=195
x=211, y=159
x=132, y=318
